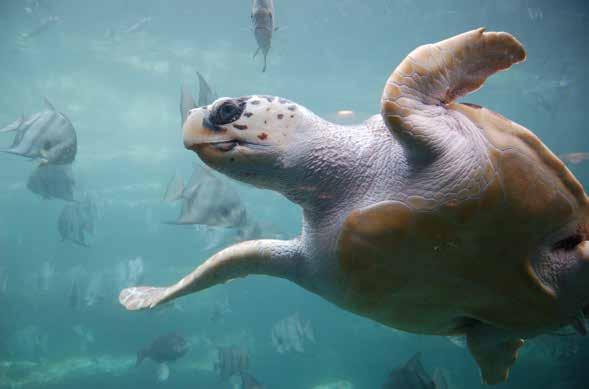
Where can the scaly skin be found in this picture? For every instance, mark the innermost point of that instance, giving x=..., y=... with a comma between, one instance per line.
x=436, y=217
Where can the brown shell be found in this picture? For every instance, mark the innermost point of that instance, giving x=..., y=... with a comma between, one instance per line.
x=430, y=269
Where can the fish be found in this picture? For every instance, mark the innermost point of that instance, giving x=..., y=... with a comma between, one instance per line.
x=219, y=310
x=137, y=26
x=574, y=158
x=48, y=136
x=262, y=19
x=290, y=334
x=208, y=200
x=231, y=361
x=412, y=375
x=74, y=298
x=45, y=276
x=164, y=349
x=44, y=25
x=85, y=336
x=206, y=96
x=52, y=182
x=94, y=291
x=249, y=382
x=31, y=341
x=76, y=220
x=174, y=189
x=3, y=282
x=135, y=270
x=186, y=103
x=129, y=272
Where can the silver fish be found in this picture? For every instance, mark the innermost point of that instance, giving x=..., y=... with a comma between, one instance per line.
x=138, y=26
x=52, y=181
x=206, y=96
x=263, y=26
x=41, y=28
x=412, y=375
x=231, y=361
x=208, y=200
x=74, y=298
x=47, y=135
x=76, y=221
x=94, y=291
x=290, y=334
x=3, y=282
x=186, y=103
x=248, y=381
x=45, y=276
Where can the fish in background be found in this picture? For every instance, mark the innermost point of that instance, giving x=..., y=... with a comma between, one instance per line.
x=31, y=341
x=206, y=200
x=52, y=182
x=412, y=375
x=231, y=361
x=262, y=18
x=74, y=297
x=138, y=26
x=249, y=382
x=129, y=272
x=206, y=96
x=43, y=26
x=219, y=310
x=115, y=34
x=574, y=158
x=48, y=136
x=164, y=349
x=85, y=336
x=94, y=291
x=31, y=6
x=3, y=282
x=45, y=276
x=291, y=334
x=76, y=220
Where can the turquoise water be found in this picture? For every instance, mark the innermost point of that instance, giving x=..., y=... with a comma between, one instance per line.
x=119, y=83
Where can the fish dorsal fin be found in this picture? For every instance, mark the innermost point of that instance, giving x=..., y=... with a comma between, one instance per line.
x=48, y=104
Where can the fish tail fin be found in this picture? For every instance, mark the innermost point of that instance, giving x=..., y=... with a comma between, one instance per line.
x=256, y=53
x=141, y=355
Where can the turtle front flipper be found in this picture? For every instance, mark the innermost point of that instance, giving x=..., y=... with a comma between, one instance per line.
x=415, y=96
x=270, y=257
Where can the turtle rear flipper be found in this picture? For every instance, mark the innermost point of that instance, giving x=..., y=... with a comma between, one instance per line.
x=416, y=94
x=494, y=352
x=142, y=297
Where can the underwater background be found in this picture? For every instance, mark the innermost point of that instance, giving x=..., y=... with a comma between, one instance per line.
x=115, y=69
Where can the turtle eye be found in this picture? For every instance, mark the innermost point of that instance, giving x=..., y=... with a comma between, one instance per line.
x=228, y=112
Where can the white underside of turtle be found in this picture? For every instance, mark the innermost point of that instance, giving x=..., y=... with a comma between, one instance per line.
x=434, y=217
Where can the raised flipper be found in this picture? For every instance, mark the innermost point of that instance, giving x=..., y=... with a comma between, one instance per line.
x=271, y=257
x=416, y=94
x=494, y=351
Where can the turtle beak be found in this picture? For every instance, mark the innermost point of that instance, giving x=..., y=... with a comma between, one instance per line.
x=199, y=130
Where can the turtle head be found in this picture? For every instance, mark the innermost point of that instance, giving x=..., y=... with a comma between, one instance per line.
x=247, y=138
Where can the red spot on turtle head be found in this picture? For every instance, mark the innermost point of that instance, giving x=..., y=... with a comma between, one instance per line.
x=263, y=136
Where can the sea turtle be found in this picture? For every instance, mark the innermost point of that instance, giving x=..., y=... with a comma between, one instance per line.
x=434, y=217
